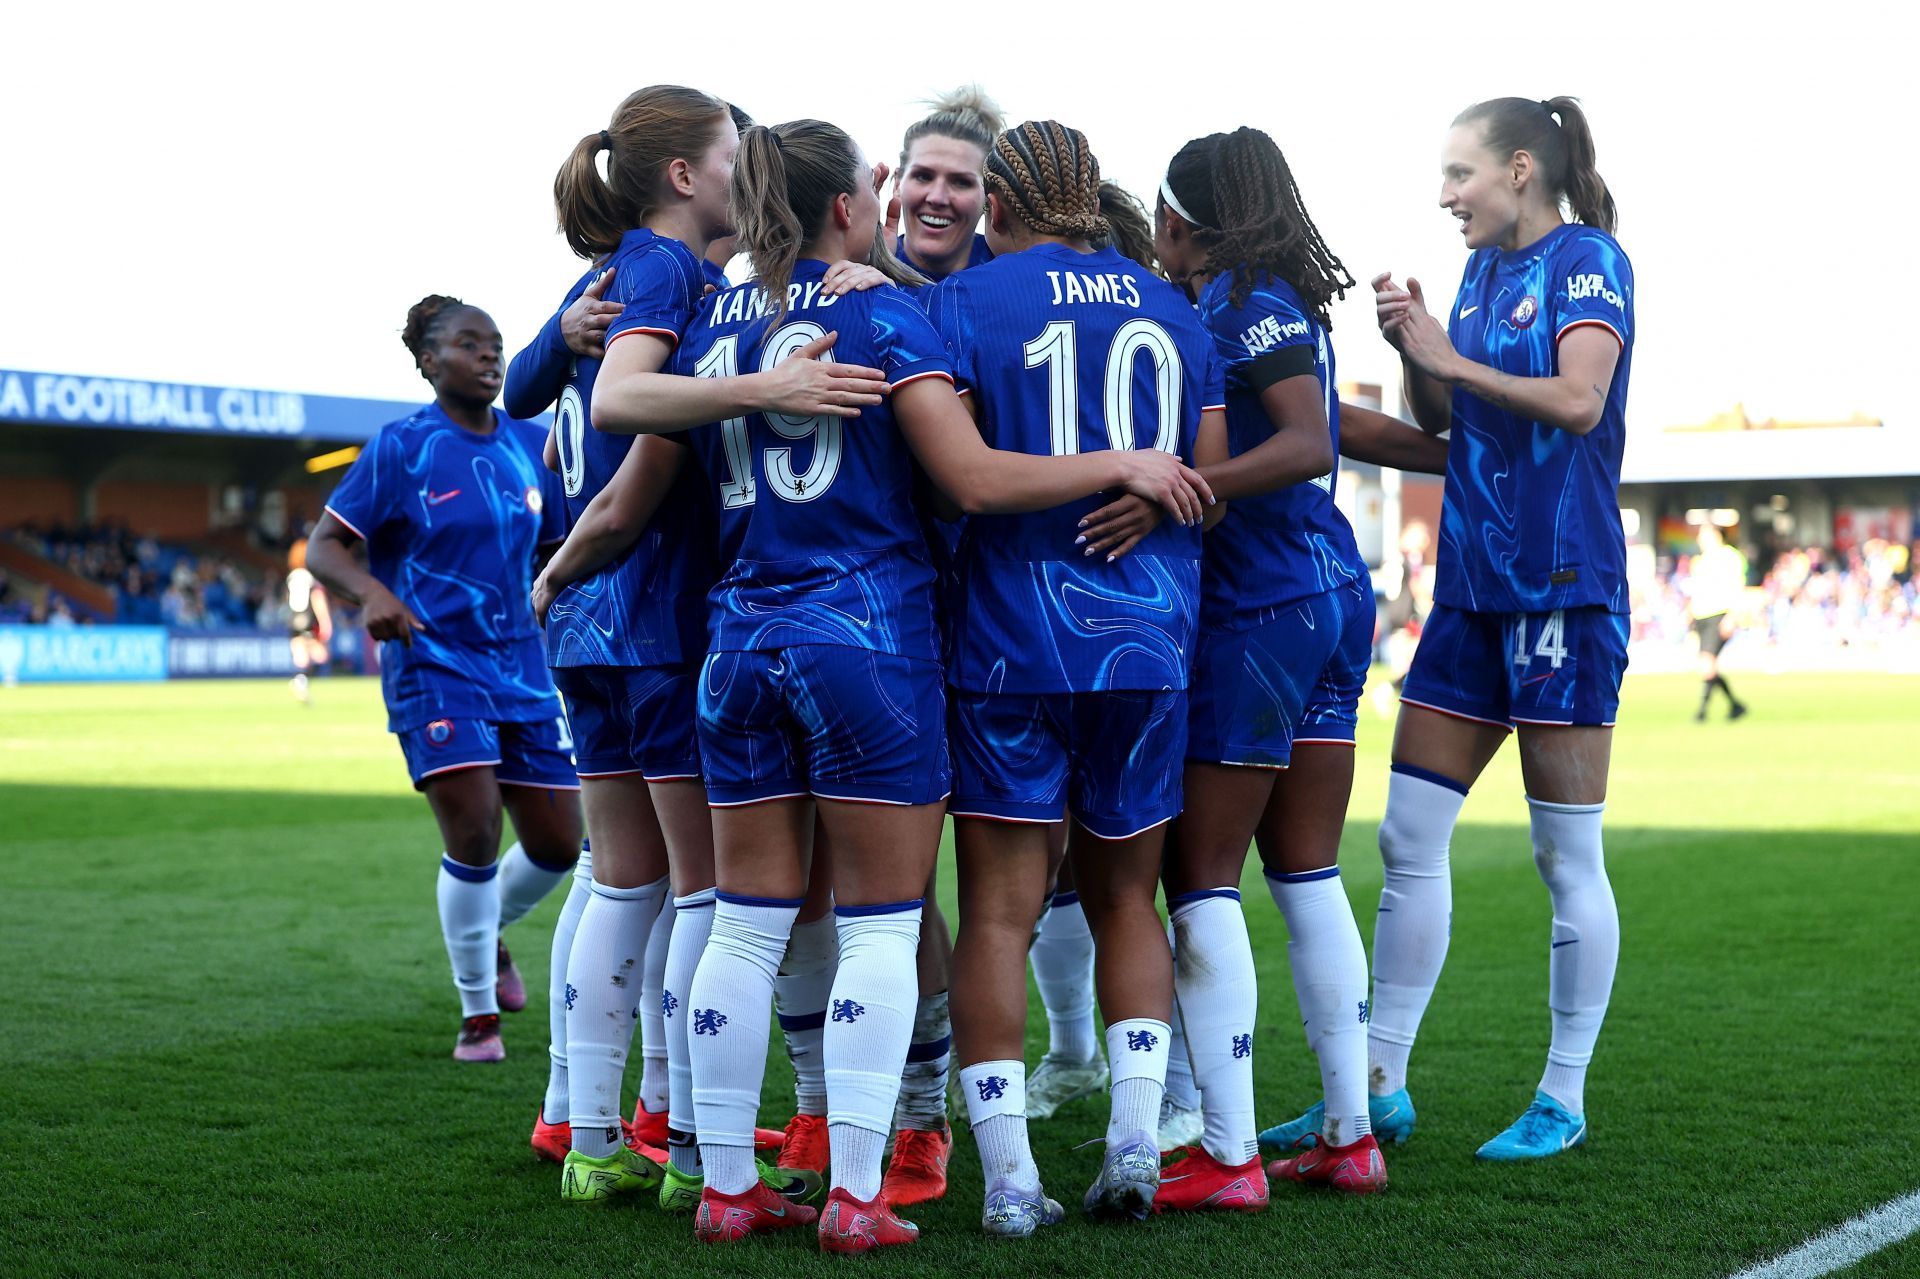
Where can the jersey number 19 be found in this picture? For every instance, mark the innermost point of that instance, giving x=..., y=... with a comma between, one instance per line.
x=740, y=488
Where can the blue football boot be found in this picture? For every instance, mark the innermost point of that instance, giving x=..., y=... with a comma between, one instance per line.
x=1546, y=1129
x=1391, y=1117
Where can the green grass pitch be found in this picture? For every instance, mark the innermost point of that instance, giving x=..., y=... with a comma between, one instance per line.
x=225, y=1031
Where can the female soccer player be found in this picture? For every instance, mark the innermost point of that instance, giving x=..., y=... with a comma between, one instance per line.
x=822, y=680
x=1062, y=951
x=1529, y=623
x=1069, y=677
x=624, y=639
x=1286, y=636
x=939, y=186
x=310, y=629
x=1716, y=578
x=454, y=507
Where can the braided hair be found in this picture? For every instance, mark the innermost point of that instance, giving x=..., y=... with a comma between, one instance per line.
x=423, y=323
x=1131, y=230
x=1238, y=192
x=1050, y=180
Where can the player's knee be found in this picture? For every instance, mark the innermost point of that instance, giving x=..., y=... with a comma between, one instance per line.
x=1404, y=851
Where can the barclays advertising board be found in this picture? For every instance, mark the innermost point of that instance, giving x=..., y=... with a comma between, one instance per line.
x=58, y=654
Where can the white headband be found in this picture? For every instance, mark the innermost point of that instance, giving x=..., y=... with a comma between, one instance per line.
x=1173, y=202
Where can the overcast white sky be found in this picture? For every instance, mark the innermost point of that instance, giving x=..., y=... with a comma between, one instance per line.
x=231, y=195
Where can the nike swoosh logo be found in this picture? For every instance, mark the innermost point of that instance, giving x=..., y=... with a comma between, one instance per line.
x=434, y=499
x=1390, y=1114
x=1469, y=311
x=773, y=1212
x=1557, y=945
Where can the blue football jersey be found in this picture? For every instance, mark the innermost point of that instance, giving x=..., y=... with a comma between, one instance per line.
x=977, y=253
x=819, y=539
x=1282, y=547
x=1069, y=352
x=1531, y=521
x=648, y=607
x=452, y=520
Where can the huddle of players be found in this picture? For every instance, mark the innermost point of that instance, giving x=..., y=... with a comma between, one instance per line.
x=785, y=663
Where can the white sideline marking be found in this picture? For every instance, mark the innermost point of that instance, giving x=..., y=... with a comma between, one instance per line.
x=1845, y=1244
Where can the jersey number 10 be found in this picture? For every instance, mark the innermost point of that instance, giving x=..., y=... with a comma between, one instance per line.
x=740, y=487
x=1057, y=351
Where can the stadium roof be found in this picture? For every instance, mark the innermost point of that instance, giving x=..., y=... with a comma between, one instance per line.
x=64, y=399
x=1814, y=453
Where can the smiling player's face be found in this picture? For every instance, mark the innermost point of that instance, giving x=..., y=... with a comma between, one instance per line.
x=941, y=197
x=1477, y=188
x=465, y=363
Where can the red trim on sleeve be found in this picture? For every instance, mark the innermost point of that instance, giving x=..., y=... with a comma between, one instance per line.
x=1571, y=325
x=673, y=339
x=929, y=373
x=344, y=520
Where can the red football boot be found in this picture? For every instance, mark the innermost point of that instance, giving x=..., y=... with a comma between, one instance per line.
x=1197, y=1182
x=850, y=1226
x=918, y=1172
x=805, y=1144
x=508, y=988
x=650, y=1128
x=551, y=1141
x=758, y=1211
x=480, y=1039
x=1357, y=1169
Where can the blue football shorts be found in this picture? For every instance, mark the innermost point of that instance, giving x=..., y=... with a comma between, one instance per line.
x=826, y=720
x=632, y=719
x=1113, y=759
x=1562, y=667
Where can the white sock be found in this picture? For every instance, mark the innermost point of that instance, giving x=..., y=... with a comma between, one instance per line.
x=1330, y=979
x=727, y=1014
x=1214, y=979
x=470, y=924
x=800, y=995
x=923, y=1082
x=1181, y=1088
x=653, y=1031
x=1062, y=959
x=602, y=974
x=1586, y=941
x=996, y=1093
x=1137, y=1056
x=692, y=922
x=524, y=880
x=553, y=1108
x=1416, y=916
x=869, y=1022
